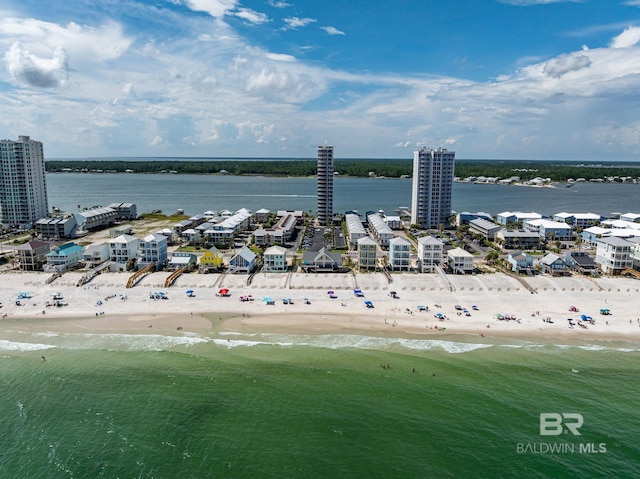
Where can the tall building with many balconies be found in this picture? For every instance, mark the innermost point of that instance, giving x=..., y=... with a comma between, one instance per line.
x=432, y=185
x=23, y=186
x=325, y=185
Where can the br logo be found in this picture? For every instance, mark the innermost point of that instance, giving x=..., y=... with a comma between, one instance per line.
x=554, y=424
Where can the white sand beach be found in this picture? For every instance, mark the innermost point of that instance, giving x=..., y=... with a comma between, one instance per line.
x=105, y=304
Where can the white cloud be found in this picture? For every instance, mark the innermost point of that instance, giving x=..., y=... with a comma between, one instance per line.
x=277, y=4
x=632, y=3
x=295, y=22
x=332, y=31
x=630, y=37
x=251, y=16
x=35, y=71
x=215, y=8
x=563, y=64
x=83, y=43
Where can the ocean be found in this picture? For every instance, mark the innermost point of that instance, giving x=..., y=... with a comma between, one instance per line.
x=314, y=406
x=198, y=193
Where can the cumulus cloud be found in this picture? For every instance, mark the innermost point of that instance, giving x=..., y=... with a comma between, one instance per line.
x=83, y=43
x=35, y=71
x=294, y=22
x=564, y=64
x=632, y=3
x=251, y=16
x=629, y=38
x=332, y=31
x=215, y=8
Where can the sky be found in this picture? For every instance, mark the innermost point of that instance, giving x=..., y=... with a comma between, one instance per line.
x=488, y=79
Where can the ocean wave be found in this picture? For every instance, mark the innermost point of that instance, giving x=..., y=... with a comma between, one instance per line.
x=342, y=341
x=584, y=347
x=144, y=342
x=15, y=346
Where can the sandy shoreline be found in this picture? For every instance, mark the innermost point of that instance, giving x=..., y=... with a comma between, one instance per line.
x=106, y=305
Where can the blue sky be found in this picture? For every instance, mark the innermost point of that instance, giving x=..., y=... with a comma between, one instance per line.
x=538, y=79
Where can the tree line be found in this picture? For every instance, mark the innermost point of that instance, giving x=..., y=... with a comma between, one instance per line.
x=392, y=168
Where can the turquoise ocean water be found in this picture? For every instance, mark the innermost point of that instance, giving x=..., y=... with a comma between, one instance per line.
x=282, y=405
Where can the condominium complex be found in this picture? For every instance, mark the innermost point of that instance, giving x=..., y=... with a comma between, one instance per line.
x=23, y=186
x=325, y=184
x=432, y=185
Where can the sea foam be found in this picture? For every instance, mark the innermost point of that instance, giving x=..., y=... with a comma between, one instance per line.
x=342, y=341
x=16, y=346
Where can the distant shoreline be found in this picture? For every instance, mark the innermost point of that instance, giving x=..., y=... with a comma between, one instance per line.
x=359, y=168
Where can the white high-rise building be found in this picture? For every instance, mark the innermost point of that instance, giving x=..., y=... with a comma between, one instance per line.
x=325, y=185
x=23, y=186
x=432, y=185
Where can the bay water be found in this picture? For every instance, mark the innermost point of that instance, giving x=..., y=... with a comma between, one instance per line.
x=223, y=404
x=198, y=193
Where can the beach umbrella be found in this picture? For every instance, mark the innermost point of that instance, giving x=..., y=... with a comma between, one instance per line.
x=189, y=291
x=330, y=292
x=223, y=291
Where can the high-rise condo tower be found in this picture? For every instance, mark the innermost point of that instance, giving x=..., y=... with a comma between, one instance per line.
x=432, y=185
x=325, y=185
x=23, y=186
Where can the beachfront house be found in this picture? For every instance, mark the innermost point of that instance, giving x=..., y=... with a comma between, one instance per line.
x=485, y=228
x=355, y=229
x=581, y=262
x=125, y=211
x=367, y=253
x=516, y=218
x=180, y=226
x=590, y=236
x=322, y=261
x=262, y=215
x=244, y=261
x=152, y=249
x=466, y=217
x=123, y=251
x=460, y=261
x=549, y=230
x=394, y=222
x=182, y=259
x=631, y=217
x=399, y=254
x=519, y=240
x=551, y=263
x=95, y=254
x=614, y=255
x=520, y=261
x=578, y=220
x=430, y=252
x=635, y=256
x=380, y=229
x=96, y=218
x=57, y=227
x=274, y=260
x=32, y=255
x=190, y=236
x=63, y=258
x=211, y=260
x=262, y=237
